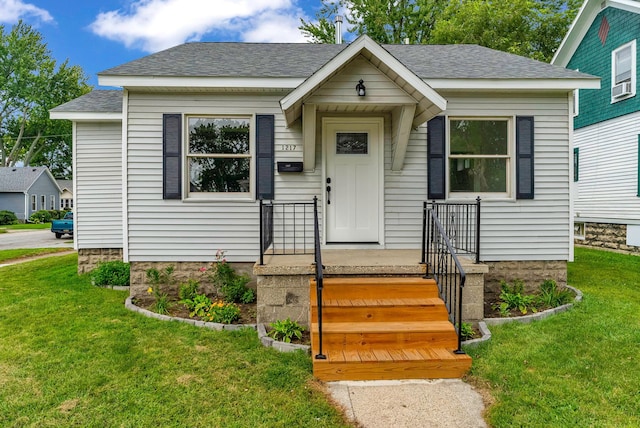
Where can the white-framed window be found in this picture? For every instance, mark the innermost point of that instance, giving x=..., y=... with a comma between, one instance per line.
x=43, y=202
x=480, y=152
x=34, y=203
x=219, y=157
x=623, y=72
x=52, y=202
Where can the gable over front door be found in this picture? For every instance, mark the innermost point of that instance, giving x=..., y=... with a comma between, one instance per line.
x=353, y=179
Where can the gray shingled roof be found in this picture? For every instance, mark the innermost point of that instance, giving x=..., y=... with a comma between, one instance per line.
x=65, y=184
x=223, y=59
x=97, y=101
x=15, y=179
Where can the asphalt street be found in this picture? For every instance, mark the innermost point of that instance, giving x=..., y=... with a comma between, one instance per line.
x=42, y=238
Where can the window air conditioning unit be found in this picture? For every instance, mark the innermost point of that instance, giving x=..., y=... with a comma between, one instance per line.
x=621, y=89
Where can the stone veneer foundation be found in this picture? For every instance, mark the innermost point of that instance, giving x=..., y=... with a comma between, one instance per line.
x=88, y=258
x=607, y=236
x=531, y=272
x=183, y=271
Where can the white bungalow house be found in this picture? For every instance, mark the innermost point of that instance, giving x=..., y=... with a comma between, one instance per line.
x=173, y=167
x=603, y=41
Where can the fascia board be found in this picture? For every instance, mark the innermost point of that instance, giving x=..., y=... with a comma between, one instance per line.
x=86, y=116
x=514, y=84
x=201, y=82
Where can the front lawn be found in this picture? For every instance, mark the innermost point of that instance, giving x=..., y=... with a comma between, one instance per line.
x=577, y=369
x=72, y=355
x=26, y=226
x=23, y=253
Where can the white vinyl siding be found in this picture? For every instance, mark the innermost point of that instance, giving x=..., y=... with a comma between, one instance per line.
x=608, y=186
x=98, y=176
x=175, y=230
x=539, y=228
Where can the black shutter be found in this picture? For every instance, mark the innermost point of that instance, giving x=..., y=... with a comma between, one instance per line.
x=265, y=139
x=524, y=157
x=172, y=156
x=436, y=158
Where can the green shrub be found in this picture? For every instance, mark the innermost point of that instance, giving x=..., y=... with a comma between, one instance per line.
x=187, y=293
x=551, y=296
x=232, y=286
x=111, y=273
x=40, y=216
x=223, y=312
x=512, y=297
x=199, y=305
x=285, y=330
x=466, y=331
x=8, y=217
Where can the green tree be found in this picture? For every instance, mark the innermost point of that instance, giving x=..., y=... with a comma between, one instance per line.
x=532, y=28
x=383, y=20
x=31, y=83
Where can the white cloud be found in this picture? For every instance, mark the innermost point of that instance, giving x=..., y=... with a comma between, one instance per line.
x=13, y=10
x=154, y=25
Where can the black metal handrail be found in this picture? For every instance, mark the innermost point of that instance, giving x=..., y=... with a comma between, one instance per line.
x=317, y=258
x=445, y=268
x=286, y=228
x=461, y=222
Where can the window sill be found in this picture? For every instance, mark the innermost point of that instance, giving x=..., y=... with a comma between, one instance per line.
x=220, y=198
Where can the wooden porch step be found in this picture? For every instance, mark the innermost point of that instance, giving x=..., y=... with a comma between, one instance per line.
x=378, y=310
x=377, y=288
x=379, y=364
x=385, y=335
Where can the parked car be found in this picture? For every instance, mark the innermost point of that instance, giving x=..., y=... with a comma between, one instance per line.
x=64, y=226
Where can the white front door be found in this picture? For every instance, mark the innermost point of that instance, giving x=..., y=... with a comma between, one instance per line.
x=353, y=153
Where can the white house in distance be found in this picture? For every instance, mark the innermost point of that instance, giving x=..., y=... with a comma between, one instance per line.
x=173, y=167
x=603, y=41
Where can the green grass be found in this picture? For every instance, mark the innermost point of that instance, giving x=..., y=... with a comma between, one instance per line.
x=28, y=226
x=72, y=355
x=577, y=369
x=10, y=255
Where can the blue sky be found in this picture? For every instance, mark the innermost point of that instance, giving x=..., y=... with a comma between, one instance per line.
x=98, y=35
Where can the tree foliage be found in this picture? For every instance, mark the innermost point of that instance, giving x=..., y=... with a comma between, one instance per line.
x=532, y=28
x=31, y=83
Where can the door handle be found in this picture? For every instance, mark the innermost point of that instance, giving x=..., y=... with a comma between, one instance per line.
x=328, y=191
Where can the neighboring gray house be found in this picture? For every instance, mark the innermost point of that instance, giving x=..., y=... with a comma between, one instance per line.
x=25, y=190
x=174, y=166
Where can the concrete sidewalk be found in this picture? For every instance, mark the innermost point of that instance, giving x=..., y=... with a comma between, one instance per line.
x=437, y=403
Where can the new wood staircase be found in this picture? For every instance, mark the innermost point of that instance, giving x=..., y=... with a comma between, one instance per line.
x=384, y=328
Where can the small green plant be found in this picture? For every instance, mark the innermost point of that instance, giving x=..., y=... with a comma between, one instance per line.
x=551, y=296
x=187, y=293
x=232, y=286
x=223, y=312
x=8, y=217
x=285, y=330
x=199, y=306
x=164, y=276
x=111, y=273
x=162, y=303
x=512, y=297
x=466, y=331
x=41, y=216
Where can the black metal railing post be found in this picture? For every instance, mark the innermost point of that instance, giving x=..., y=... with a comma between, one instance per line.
x=478, y=229
x=319, y=275
x=423, y=258
x=261, y=233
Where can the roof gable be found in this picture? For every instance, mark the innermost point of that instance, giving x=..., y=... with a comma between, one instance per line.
x=583, y=21
x=428, y=99
x=20, y=179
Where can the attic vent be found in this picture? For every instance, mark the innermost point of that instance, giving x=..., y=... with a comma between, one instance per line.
x=34, y=170
x=14, y=170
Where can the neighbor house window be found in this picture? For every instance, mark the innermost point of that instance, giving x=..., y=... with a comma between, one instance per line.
x=219, y=156
x=623, y=72
x=52, y=202
x=43, y=202
x=34, y=203
x=479, y=156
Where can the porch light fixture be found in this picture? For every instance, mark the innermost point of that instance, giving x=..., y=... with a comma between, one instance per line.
x=360, y=89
